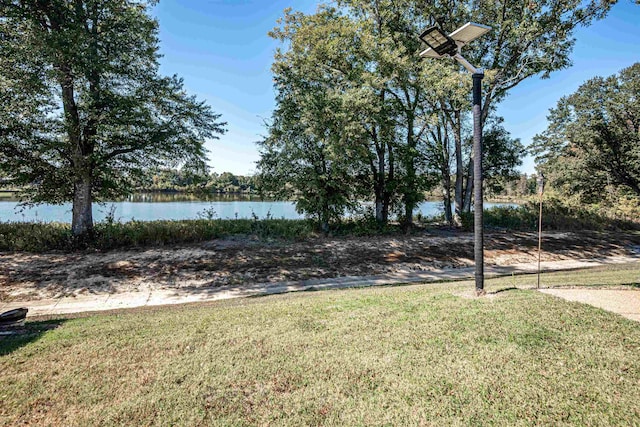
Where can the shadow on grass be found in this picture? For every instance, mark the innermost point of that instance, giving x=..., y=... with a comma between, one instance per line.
x=499, y=291
x=15, y=337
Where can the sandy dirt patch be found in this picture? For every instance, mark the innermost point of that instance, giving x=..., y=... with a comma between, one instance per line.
x=244, y=260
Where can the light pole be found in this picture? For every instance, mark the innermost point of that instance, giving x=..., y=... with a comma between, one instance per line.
x=540, y=181
x=442, y=45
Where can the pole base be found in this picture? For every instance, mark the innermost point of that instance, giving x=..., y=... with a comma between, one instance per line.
x=480, y=292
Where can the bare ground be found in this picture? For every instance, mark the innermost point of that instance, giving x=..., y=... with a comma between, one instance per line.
x=240, y=260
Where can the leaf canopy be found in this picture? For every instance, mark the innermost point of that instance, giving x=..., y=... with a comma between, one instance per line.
x=81, y=98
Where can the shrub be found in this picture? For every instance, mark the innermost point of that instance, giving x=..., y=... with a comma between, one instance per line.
x=510, y=217
x=34, y=236
x=556, y=215
x=40, y=236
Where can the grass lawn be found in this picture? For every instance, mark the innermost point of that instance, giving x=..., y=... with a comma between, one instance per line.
x=414, y=355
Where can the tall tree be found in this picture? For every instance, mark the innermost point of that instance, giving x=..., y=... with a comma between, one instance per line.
x=528, y=38
x=363, y=54
x=306, y=154
x=503, y=154
x=83, y=109
x=391, y=27
x=593, y=137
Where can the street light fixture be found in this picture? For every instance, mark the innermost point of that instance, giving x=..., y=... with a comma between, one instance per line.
x=443, y=45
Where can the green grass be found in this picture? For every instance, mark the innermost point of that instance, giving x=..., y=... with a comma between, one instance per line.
x=415, y=355
x=623, y=276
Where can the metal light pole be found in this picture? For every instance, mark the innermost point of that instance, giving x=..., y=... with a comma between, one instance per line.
x=442, y=45
x=478, y=212
x=540, y=193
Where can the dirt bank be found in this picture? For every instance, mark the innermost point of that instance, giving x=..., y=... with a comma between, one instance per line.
x=241, y=260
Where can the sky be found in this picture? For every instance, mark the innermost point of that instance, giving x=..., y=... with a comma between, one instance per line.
x=222, y=51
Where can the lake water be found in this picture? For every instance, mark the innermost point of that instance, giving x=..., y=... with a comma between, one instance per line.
x=150, y=207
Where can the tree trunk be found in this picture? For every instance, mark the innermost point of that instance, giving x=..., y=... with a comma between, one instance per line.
x=446, y=195
x=409, y=197
x=385, y=208
x=388, y=192
x=82, y=215
x=443, y=141
x=380, y=185
x=324, y=217
x=82, y=219
x=379, y=210
x=410, y=191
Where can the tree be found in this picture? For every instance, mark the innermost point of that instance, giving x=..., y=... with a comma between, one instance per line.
x=528, y=38
x=361, y=55
x=410, y=116
x=84, y=111
x=306, y=154
x=593, y=137
x=502, y=152
x=309, y=171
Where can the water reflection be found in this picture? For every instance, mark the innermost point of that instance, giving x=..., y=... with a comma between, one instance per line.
x=183, y=197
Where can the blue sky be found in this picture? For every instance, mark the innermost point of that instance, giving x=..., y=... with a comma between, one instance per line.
x=221, y=49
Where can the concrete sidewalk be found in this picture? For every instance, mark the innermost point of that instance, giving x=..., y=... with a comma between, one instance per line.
x=181, y=295
x=623, y=302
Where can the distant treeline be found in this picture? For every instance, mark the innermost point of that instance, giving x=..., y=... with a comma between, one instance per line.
x=513, y=188
x=192, y=182
x=184, y=181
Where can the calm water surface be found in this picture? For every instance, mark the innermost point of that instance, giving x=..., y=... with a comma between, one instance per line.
x=150, y=207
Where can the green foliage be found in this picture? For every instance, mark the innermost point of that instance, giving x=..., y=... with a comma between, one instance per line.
x=518, y=188
x=109, y=235
x=40, y=237
x=502, y=154
x=523, y=217
x=559, y=215
x=307, y=154
x=84, y=111
x=185, y=180
x=361, y=115
x=527, y=39
x=593, y=138
x=348, y=86
x=34, y=236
